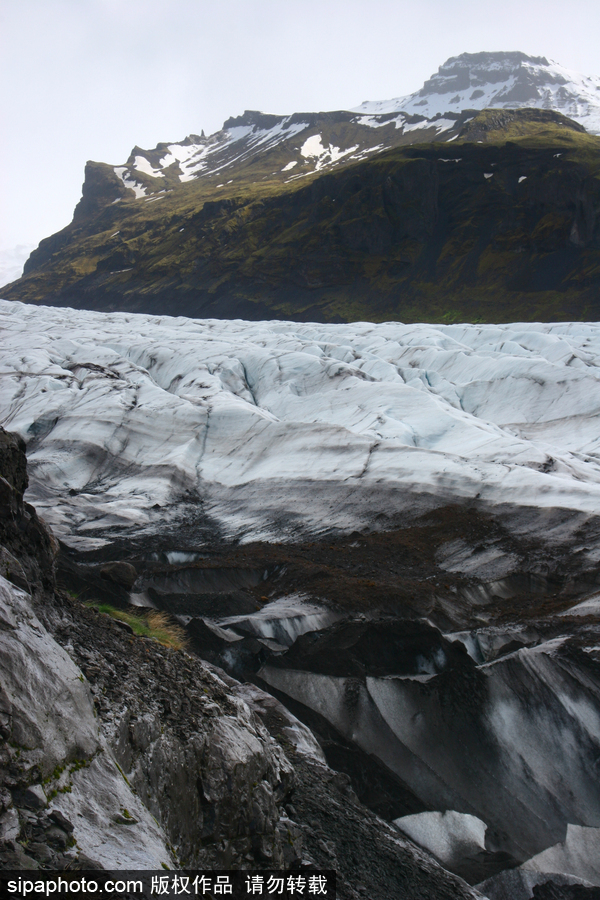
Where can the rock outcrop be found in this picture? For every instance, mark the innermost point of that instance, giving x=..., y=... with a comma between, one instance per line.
x=61, y=789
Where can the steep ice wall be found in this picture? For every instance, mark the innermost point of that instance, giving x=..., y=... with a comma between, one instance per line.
x=513, y=742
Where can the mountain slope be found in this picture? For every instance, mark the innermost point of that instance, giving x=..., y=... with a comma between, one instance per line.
x=353, y=214
x=503, y=226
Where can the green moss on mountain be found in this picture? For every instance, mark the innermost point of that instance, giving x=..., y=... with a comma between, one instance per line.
x=500, y=224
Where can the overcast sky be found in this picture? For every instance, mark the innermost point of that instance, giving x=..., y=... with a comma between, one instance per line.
x=89, y=79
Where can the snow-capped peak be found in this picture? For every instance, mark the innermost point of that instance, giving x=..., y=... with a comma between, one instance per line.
x=507, y=80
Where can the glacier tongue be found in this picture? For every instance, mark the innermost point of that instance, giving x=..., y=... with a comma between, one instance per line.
x=270, y=429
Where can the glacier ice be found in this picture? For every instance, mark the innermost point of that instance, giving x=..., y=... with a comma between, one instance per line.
x=274, y=429
x=447, y=835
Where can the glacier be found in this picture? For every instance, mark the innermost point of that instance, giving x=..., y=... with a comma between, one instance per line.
x=271, y=430
x=167, y=440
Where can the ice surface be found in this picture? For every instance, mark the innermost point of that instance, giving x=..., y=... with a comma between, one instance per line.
x=576, y=860
x=278, y=427
x=518, y=884
x=523, y=768
x=578, y=855
x=589, y=607
x=448, y=835
x=284, y=620
x=301, y=737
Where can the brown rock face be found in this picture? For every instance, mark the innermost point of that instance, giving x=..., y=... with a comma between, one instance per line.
x=122, y=573
x=13, y=462
x=29, y=548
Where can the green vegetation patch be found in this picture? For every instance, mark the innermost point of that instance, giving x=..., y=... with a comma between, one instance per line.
x=154, y=625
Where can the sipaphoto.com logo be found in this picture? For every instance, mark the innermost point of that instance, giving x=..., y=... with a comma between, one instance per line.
x=22, y=887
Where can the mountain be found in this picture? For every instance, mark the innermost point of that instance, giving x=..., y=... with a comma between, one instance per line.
x=386, y=539
x=504, y=80
x=303, y=143
x=364, y=214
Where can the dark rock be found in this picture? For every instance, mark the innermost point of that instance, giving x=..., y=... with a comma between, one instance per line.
x=9, y=500
x=13, y=463
x=9, y=825
x=23, y=534
x=375, y=647
x=124, y=626
x=41, y=852
x=12, y=570
x=12, y=856
x=366, y=849
x=32, y=797
x=122, y=573
x=57, y=838
x=60, y=820
x=83, y=862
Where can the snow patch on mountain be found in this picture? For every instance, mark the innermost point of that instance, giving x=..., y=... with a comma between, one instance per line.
x=142, y=165
x=206, y=156
x=136, y=187
x=313, y=148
